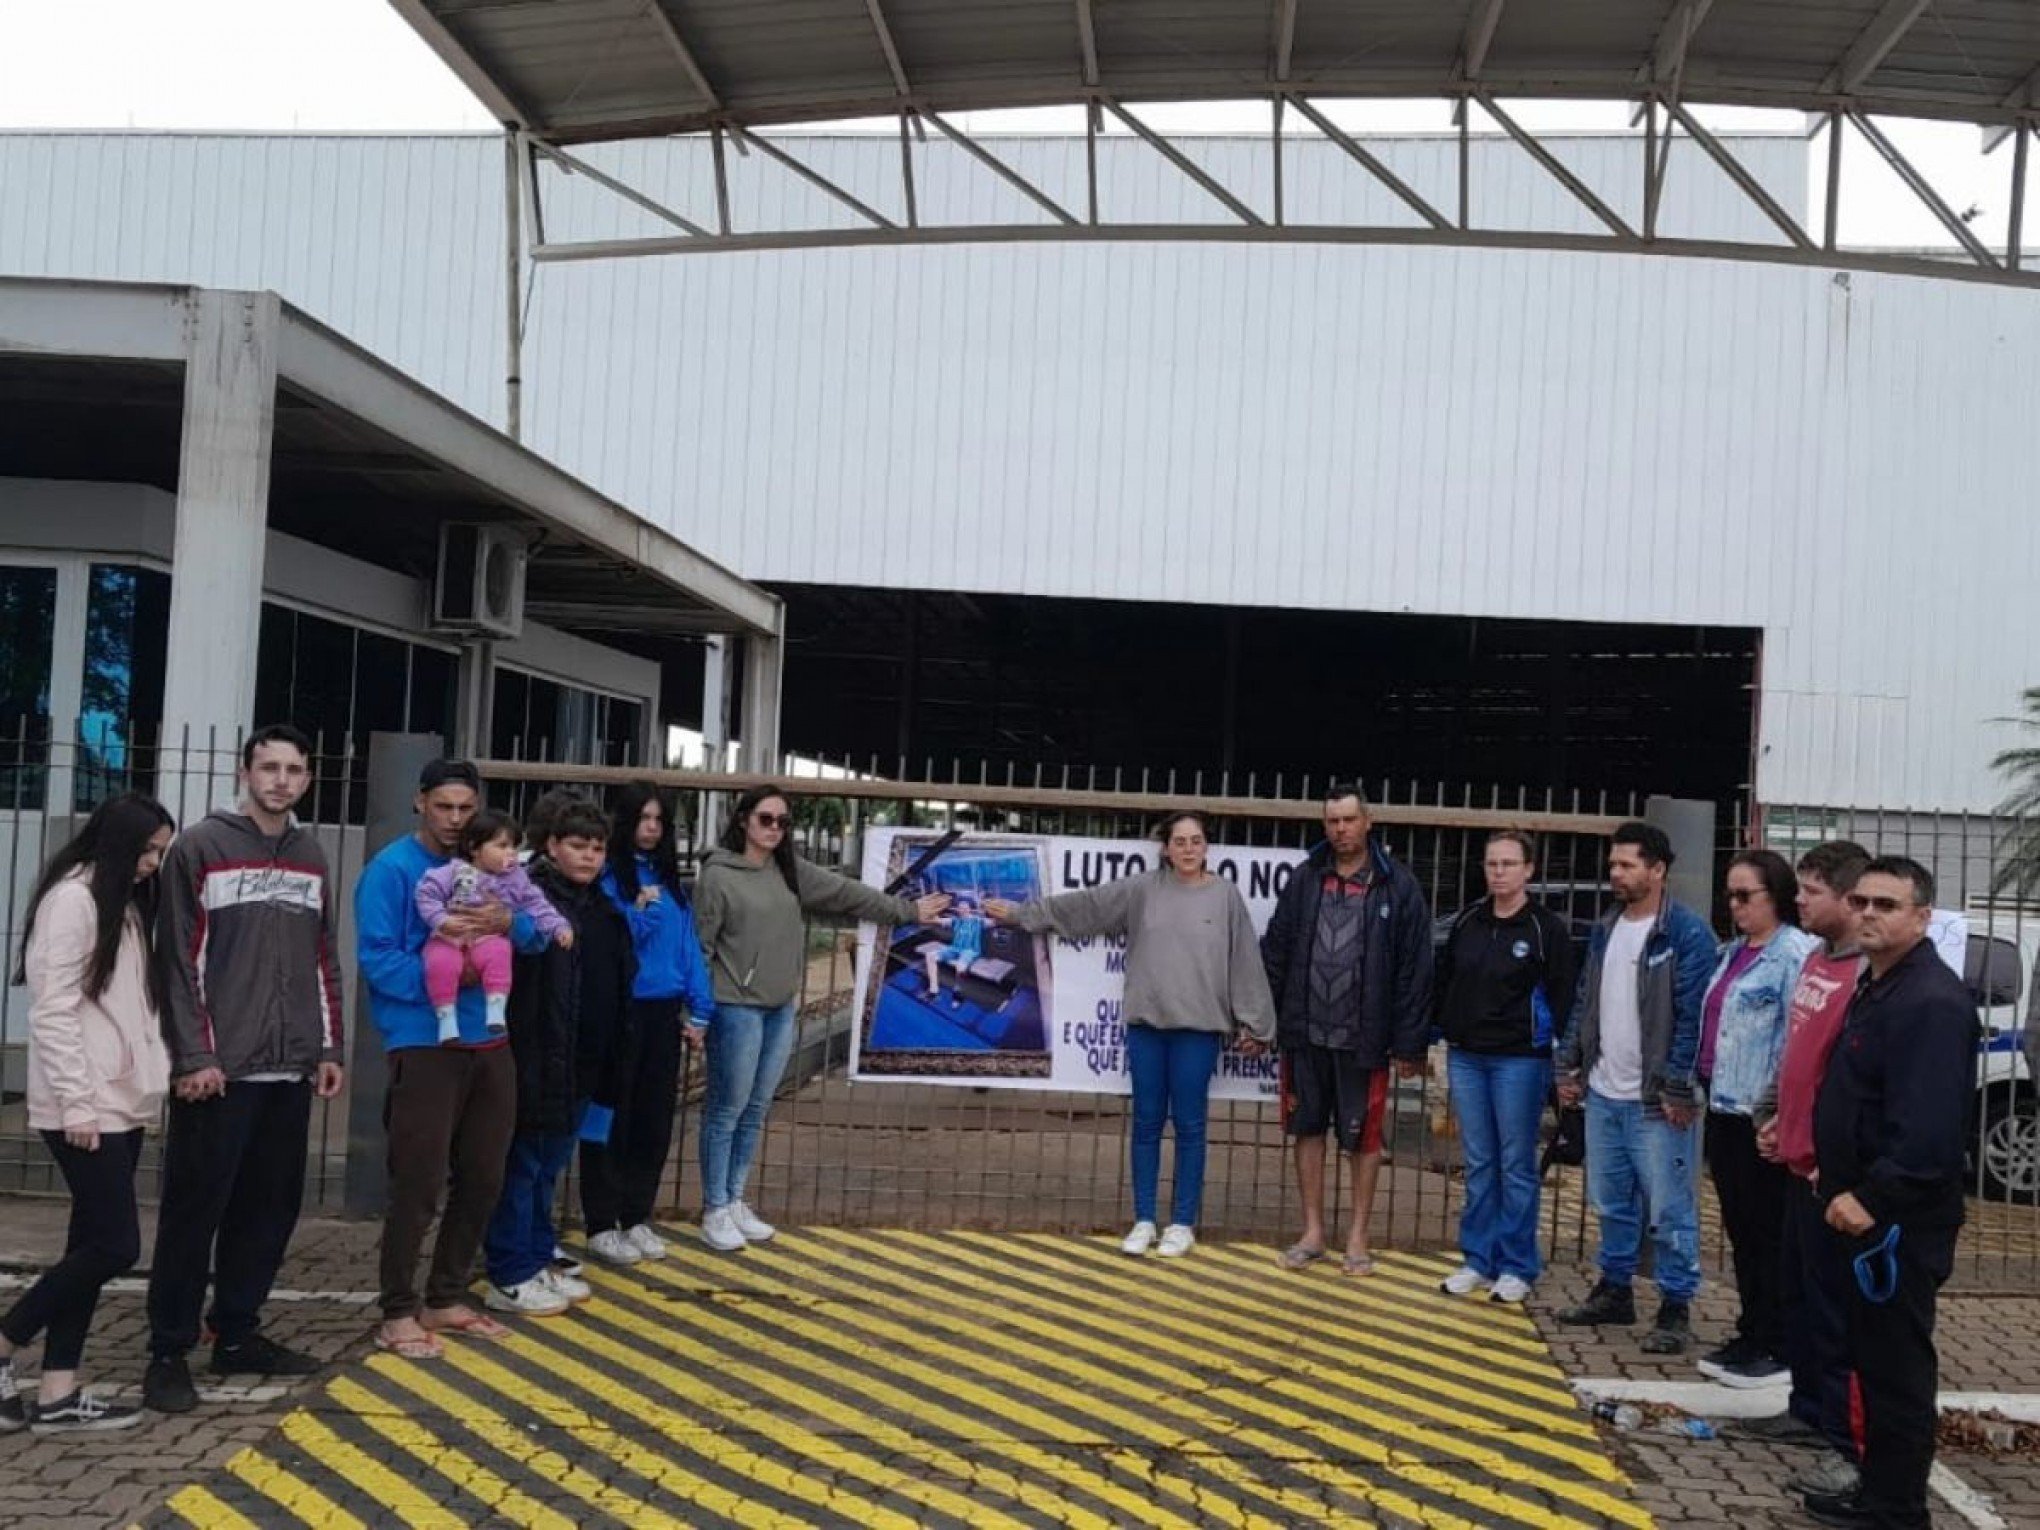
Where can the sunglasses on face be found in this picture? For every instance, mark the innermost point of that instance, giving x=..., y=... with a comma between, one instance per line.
x=1863, y=904
x=773, y=820
x=1741, y=895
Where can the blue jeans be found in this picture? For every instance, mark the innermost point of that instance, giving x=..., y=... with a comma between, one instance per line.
x=747, y=1052
x=521, y=1236
x=1643, y=1172
x=1500, y=1104
x=1171, y=1082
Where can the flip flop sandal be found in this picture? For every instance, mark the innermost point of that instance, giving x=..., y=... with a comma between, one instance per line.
x=427, y=1348
x=1357, y=1264
x=1298, y=1255
x=473, y=1325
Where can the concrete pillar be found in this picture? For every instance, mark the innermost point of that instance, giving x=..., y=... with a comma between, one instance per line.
x=221, y=534
x=1690, y=826
x=762, y=660
x=474, y=700
x=394, y=760
x=718, y=690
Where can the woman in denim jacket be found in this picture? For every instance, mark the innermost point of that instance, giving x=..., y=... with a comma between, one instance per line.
x=1742, y=1036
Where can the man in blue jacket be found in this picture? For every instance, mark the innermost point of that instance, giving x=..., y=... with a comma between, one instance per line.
x=451, y=1109
x=1631, y=1047
x=1348, y=953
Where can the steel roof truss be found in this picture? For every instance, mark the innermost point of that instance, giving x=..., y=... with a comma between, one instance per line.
x=890, y=49
x=1923, y=189
x=1873, y=46
x=1559, y=172
x=813, y=177
x=1738, y=172
x=670, y=30
x=1000, y=168
x=1183, y=162
x=1370, y=163
x=576, y=166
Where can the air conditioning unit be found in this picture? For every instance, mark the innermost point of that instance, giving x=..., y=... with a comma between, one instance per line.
x=481, y=579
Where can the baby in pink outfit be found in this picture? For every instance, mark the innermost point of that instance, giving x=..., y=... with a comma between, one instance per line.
x=485, y=873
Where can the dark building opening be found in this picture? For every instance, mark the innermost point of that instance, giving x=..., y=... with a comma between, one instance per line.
x=899, y=679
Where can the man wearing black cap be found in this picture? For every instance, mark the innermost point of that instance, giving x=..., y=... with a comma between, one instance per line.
x=451, y=1108
x=1888, y=1137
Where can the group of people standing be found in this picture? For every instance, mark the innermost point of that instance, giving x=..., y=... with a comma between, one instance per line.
x=536, y=991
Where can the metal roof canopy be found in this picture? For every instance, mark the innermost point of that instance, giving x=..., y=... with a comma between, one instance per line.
x=365, y=460
x=581, y=70
x=559, y=73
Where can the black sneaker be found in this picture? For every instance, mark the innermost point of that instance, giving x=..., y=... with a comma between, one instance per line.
x=1778, y=1429
x=83, y=1413
x=1843, y=1509
x=1760, y=1370
x=1606, y=1303
x=166, y=1385
x=1672, y=1331
x=13, y=1409
x=1734, y=1352
x=258, y=1355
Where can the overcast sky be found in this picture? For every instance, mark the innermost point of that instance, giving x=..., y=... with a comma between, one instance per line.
x=356, y=65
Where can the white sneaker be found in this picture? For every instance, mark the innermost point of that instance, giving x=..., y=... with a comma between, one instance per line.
x=565, y=1262
x=570, y=1288
x=535, y=1298
x=648, y=1244
x=613, y=1247
x=1177, y=1240
x=1139, y=1241
x=1464, y=1281
x=719, y=1229
x=1511, y=1289
x=754, y=1227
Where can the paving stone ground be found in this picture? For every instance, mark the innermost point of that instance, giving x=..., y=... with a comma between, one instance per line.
x=1988, y=1343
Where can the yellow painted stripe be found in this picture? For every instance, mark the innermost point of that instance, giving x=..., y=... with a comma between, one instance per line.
x=833, y=1458
x=590, y=1433
x=455, y=1465
x=1437, y=1480
x=199, y=1507
x=1324, y=1323
x=930, y=1284
x=947, y=1383
x=503, y=1437
x=890, y=1437
x=405, y=1499
x=1341, y=1368
x=291, y=1491
x=1593, y=1462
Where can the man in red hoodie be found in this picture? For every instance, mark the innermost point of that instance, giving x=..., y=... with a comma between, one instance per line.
x=1816, y=1274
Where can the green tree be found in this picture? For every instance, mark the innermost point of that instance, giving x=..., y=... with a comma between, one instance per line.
x=2018, y=868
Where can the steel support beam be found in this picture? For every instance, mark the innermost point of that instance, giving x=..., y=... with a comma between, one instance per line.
x=670, y=30
x=1371, y=163
x=576, y=166
x=1668, y=57
x=1479, y=36
x=513, y=292
x=1922, y=189
x=1000, y=168
x=1184, y=163
x=1872, y=47
x=1739, y=173
x=813, y=177
x=1087, y=41
x=1285, y=39
x=2015, y=234
x=890, y=49
x=1559, y=172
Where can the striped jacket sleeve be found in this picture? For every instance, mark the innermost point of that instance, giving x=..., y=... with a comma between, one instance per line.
x=180, y=948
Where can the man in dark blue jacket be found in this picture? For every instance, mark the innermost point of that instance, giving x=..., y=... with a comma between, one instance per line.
x=1631, y=1048
x=1348, y=952
x=1888, y=1137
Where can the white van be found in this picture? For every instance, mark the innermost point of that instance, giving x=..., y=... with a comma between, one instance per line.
x=1999, y=969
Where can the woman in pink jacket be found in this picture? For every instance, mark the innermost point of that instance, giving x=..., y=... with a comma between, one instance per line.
x=97, y=1073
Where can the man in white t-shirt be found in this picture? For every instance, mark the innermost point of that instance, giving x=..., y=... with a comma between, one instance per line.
x=1629, y=1049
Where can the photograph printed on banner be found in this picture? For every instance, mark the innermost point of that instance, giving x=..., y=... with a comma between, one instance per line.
x=961, y=997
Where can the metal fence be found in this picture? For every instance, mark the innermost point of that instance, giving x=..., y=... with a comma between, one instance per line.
x=903, y=1154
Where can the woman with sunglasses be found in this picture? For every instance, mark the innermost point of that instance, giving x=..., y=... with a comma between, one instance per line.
x=750, y=908
x=97, y=1073
x=1742, y=1036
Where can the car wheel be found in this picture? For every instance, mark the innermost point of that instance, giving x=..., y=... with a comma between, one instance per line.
x=2009, y=1148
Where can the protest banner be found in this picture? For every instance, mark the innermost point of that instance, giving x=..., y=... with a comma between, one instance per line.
x=969, y=1001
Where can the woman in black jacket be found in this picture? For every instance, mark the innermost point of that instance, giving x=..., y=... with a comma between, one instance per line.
x=1505, y=985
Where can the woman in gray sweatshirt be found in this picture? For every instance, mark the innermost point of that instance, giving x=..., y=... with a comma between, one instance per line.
x=750, y=908
x=1193, y=973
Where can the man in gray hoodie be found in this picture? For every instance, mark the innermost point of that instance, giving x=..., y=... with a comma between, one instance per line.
x=252, y=1016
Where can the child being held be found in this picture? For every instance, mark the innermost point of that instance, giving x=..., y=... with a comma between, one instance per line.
x=485, y=873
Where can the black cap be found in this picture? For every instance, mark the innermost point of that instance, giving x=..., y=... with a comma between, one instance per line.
x=449, y=772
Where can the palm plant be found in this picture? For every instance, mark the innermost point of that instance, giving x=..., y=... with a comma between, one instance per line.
x=2018, y=868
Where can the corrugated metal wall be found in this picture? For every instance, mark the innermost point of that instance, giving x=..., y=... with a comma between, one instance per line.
x=1842, y=461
